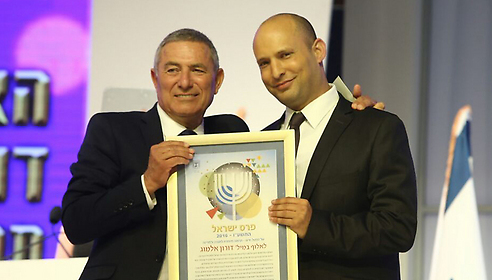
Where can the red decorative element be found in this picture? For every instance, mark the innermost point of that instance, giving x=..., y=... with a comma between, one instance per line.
x=212, y=212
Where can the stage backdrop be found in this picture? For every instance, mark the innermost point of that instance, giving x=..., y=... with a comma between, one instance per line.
x=43, y=85
x=45, y=57
x=124, y=42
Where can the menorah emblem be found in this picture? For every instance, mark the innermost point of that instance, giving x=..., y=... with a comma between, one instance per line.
x=234, y=189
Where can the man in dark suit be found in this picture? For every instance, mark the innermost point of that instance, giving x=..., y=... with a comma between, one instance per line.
x=356, y=190
x=117, y=195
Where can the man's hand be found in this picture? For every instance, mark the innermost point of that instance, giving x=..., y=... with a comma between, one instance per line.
x=163, y=161
x=364, y=101
x=292, y=212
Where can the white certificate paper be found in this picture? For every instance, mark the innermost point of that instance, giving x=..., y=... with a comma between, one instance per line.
x=224, y=232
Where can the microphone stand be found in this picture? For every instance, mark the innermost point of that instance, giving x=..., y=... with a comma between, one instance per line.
x=55, y=217
x=58, y=241
x=28, y=246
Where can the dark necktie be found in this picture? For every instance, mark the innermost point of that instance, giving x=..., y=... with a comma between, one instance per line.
x=295, y=123
x=187, y=132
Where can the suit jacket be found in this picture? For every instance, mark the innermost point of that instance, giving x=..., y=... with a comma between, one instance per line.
x=105, y=201
x=362, y=188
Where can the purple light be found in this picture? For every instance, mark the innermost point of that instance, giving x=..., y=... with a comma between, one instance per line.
x=50, y=38
x=53, y=43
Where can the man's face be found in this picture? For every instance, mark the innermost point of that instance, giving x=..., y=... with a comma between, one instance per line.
x=185, y=81
x=289, y=68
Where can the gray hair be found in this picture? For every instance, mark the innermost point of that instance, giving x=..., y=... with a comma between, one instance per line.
x=189, y=35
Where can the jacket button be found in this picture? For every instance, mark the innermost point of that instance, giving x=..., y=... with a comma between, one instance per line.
x=158, y=259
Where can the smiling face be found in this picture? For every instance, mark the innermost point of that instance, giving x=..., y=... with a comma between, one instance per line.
x=291, y=69
x=185, y=81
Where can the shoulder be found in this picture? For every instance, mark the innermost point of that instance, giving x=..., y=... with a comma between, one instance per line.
x=375, y=117
x=369, y=115
x=378, y=124
x=369, y=120
x=117, y=115
x=115, y=120
x=224, y=123
x=376, y=114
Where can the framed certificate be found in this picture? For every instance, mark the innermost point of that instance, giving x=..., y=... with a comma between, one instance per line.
x=218, y=225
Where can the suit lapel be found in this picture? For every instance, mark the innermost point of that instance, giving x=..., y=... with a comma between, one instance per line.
x=152, y=132
x=151, y=127
x=209, y=127
x=340, y=119
x=277, y=124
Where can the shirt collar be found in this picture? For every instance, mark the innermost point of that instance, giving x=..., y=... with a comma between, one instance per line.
x=317, y=109
x=172, y=128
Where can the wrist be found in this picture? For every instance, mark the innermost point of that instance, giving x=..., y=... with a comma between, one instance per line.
x=150, y=185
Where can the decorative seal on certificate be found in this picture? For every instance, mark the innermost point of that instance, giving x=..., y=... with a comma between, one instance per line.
x=233, y=190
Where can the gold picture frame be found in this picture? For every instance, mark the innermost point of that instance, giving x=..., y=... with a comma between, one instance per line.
x=218, y=222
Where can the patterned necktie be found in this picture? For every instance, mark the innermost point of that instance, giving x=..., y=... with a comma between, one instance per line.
x=187, y=132
x=295, y=123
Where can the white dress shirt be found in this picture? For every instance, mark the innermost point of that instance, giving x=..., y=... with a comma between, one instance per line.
x=317, y=114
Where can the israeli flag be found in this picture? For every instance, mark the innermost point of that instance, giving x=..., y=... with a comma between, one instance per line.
x=458, y=252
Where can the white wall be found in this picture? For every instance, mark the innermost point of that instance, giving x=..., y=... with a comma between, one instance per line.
x=125, y=34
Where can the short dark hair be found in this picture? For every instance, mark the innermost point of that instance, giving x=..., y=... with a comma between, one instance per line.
x=189, y=35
